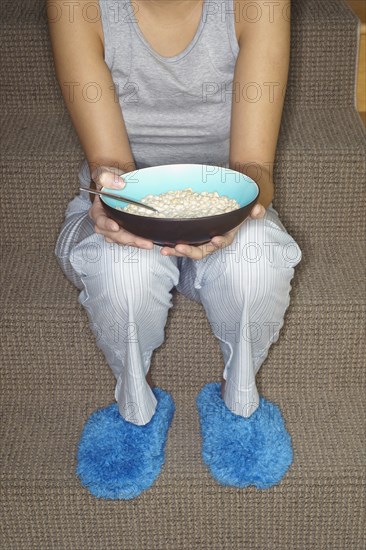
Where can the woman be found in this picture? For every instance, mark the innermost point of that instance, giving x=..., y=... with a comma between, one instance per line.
x=150, y=82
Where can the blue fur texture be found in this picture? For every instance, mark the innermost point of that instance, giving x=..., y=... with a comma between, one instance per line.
x=117, y=459
x=243, y=451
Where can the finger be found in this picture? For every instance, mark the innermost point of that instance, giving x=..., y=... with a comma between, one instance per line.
x=218, y=242
x=257, y=211
x=169, y=251
x=126, y=238
x=101, y=220
x=103, y=223
x=196, y=252
x=111, y=229
x=184, y=249
x=224, y=240
x=105, y=176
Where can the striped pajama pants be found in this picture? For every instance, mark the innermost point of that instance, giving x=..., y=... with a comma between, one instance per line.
x=126, y=292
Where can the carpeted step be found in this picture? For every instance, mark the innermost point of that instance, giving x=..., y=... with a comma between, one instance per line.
x=53, y=375
x=323, y=54
x=46, y=334
x=319, y=176
x=44, y=506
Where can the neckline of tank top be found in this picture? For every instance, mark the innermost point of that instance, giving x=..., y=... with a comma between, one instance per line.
x=186, y=50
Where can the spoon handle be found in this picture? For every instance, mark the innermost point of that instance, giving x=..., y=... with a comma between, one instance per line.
x=118, y=197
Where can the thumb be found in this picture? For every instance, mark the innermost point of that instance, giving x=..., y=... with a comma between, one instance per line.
x=258, y=211
x=108, y=176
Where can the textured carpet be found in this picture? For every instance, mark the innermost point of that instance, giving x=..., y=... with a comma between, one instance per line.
x=53, y=375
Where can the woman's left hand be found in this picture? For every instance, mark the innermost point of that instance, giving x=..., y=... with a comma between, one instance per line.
x=220, y=241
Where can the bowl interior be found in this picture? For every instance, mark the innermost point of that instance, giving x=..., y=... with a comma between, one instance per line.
x=156, y=180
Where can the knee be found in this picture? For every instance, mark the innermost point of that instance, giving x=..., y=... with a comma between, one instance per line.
x=260, y=262
x=122, y=277
x=262, y=242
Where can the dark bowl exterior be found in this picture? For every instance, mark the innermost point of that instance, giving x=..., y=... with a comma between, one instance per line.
x=172, y=231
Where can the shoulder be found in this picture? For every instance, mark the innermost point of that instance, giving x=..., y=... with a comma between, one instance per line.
x=76, y=18
x=98, y=26
x=254, y=17
x=239, y=8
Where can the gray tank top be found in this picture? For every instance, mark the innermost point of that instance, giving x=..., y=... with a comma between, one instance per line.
x=176, y=109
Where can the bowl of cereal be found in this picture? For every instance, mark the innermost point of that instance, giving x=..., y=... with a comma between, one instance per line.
x=195, y=202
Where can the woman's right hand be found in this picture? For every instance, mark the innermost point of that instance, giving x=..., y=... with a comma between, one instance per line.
x=105, y=176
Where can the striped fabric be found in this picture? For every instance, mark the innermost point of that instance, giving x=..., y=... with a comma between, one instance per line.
x=126, y=291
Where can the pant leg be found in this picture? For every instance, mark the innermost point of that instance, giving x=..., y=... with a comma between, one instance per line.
x=126, y=294
x=245, y=290
x=77, y=226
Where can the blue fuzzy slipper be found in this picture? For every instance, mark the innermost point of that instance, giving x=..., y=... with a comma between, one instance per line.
x=243, y=451
x=117, y=459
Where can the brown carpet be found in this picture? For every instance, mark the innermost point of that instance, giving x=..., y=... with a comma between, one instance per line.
x=53, y=374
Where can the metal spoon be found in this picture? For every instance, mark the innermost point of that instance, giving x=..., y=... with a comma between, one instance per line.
x=118, y=197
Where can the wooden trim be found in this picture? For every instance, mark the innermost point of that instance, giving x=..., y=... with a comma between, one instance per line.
x=359, y=7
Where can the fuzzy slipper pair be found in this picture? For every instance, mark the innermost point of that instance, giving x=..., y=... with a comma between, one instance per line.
x=117, y=459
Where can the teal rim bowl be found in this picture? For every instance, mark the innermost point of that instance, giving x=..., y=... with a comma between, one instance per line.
x=156, y=180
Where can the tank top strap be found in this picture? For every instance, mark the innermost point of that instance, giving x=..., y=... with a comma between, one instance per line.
x=219, y=35
x=230, y=25
x=116, y=18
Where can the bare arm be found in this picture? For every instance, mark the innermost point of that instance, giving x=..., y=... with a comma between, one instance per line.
x=87, y=87
x=260, y=78
x=88, y=90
